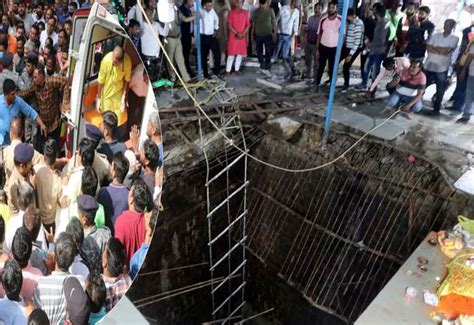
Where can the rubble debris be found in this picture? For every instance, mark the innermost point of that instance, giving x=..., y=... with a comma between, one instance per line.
x=269, y=84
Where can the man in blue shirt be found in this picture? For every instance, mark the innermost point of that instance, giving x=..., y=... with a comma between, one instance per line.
x=139, y=256
x=11, y=106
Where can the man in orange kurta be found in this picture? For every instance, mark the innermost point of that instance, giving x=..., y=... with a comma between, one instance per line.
x=238, y=23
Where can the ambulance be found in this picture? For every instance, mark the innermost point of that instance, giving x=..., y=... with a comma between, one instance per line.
x=95, y=33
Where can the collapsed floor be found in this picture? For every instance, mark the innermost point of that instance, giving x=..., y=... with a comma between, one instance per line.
x=322, y=243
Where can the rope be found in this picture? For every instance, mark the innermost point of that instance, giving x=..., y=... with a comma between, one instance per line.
x=221, y=132
x=187, y=289
x=173, y=269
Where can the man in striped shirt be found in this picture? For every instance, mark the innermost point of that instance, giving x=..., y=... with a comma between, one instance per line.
x=49, y=293
x=353, y=43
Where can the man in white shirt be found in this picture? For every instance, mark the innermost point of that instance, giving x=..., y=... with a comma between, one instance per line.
x=288, y=26
x=49, y=32
x=150, y=47
x=208, y=27
x=440, y=49
x=26, y=195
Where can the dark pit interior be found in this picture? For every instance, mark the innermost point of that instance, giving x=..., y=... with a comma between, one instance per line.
x=320, y=245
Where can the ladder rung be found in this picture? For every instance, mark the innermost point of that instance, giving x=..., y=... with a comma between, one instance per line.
x=228, y=228
x=229, y=276
x=228, y=253
x=231, y=127
x=227, y=199
x=232, y=314
x=226, y=168
x=228, y=298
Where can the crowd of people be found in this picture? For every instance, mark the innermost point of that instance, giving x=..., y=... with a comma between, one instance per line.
x=75, y=231
x=72, y=241
x=393, y=38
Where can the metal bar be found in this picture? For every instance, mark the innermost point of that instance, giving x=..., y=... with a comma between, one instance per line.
x=198, y=39
x=232, y=314
x=228, y=227
x=220, y=321
x=228, y=253
x=229, y=277
x=226, y=168
x=320, y=307
x=247, y=103
x=165, y=121
x=342, y=29
x=325, y=230
x=228, y=298
x=227, y=199
x=257, y=315
x=396, y=224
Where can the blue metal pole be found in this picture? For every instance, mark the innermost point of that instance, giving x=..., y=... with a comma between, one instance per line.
x=460, y=9
x=342, y=29
x=197, y=33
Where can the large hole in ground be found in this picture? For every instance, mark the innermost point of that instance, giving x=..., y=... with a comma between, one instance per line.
x=320, y=246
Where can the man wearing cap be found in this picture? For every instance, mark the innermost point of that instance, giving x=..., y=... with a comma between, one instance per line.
x=48, y=93
x=23, y=156
x=115, y=74
x=87, y=207
x=77, y=302
x=11, y=106
x=100, y=164
x=7, y=73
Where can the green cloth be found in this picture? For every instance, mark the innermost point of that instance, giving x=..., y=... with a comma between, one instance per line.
x=263, y=20
x=100, y=216
x=392, y=24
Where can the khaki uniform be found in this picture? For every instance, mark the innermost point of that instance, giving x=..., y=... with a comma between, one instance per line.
x=49, y=191
x=8, y=155
x=11, y=189
x=174, y=48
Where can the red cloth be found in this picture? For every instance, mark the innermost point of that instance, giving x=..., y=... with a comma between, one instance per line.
x=130, y=230
x=238, y=20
